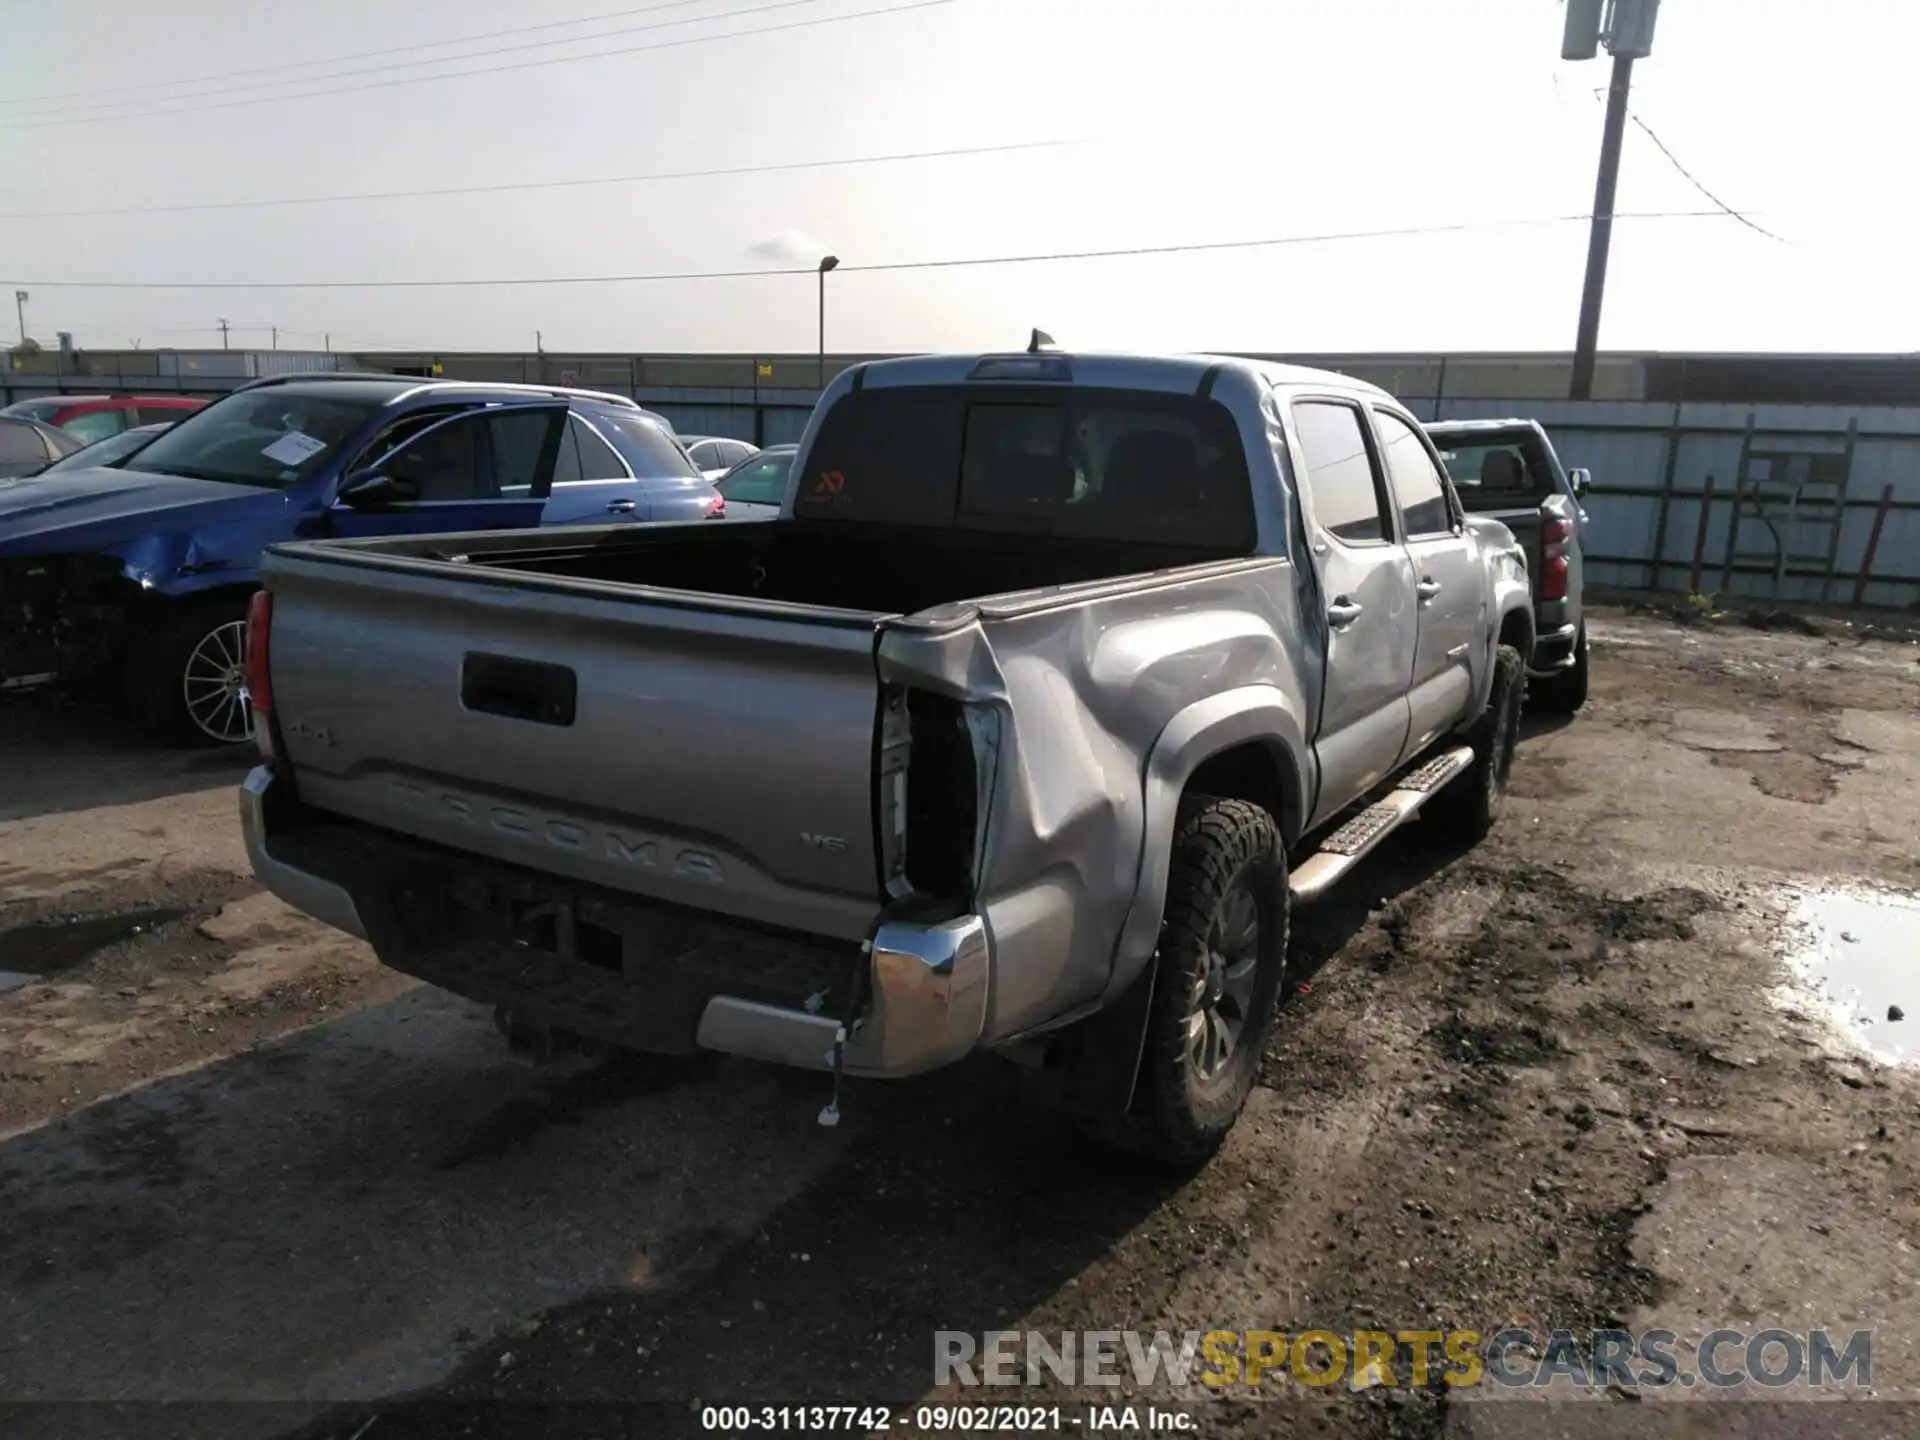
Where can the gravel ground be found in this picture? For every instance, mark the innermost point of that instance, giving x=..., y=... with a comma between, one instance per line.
x=1549, y=1082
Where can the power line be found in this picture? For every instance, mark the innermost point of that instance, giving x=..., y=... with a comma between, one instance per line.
x=1199, y=247
x=415, y=64
x=491, y=69
x=1692, y=180
x=356, y=55
x=768, y=169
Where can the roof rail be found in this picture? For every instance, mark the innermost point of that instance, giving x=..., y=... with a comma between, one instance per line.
x=573, y=391
x=307, y=375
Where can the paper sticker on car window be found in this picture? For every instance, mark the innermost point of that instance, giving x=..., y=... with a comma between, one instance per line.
x=293, y=447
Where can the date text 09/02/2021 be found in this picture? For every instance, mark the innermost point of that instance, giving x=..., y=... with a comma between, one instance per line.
x=970, y=1419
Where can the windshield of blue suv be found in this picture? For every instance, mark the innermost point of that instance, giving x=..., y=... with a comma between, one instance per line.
x=271, y=438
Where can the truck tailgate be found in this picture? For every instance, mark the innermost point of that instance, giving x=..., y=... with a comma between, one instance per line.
x=718, y=756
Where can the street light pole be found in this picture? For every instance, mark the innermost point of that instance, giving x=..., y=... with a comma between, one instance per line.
x=827, y=263
x=20, y=312
x=1600, y=238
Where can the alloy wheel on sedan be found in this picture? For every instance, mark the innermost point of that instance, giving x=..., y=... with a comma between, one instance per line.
x=214, y=685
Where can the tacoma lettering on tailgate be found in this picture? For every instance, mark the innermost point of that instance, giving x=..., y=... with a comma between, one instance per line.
x=643, y=852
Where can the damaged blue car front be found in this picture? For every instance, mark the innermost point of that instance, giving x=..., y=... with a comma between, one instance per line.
x=139, y=574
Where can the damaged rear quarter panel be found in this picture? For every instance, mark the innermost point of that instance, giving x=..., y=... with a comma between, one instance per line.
x=1083, y=691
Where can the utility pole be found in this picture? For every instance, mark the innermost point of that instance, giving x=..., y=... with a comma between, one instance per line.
x=539, y=343
x=276, y=337
x=1627, y=29
x=20, y=312
x=223, y=333
x=327, y=340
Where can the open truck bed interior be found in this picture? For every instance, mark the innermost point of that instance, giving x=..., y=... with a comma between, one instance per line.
x=884, y=570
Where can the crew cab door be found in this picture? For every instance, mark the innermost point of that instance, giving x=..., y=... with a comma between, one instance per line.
x=1449, y=591
x=475, y=469
x=1366, y=591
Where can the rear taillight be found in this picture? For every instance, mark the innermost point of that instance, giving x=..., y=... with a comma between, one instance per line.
x=1555, y=532
x=716, y=508
x=259, y=679
x=1553, y=578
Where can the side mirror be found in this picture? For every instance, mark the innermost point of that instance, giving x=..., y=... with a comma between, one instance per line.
x=1582, y=482
x=376, y=490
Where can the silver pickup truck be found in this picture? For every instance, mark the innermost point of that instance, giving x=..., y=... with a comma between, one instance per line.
x=1055, y=681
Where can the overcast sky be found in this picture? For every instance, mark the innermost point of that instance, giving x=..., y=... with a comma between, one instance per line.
x=1179, y=121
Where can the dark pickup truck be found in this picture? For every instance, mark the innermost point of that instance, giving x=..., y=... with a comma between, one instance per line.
x=1507, y=470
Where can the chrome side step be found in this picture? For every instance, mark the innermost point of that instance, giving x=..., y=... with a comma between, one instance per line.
x=1350, y=844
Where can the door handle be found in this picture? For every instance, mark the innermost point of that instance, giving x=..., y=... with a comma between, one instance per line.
x=620, y=507
x=1343, y=612
x=1427, y=588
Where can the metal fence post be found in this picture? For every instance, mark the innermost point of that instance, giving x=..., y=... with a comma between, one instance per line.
x=1659, y=555
x=1700, y=538
x=1873, y=544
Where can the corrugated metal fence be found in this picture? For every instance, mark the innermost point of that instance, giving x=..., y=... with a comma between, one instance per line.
x=1828, y=496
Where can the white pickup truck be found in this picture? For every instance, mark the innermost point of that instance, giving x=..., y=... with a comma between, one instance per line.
x=1055, y=682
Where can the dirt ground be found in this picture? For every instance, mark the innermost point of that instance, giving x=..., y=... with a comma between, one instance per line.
x=1549, y=1082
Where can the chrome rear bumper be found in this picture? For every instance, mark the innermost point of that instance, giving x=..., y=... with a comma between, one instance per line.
x=926, y=1005
x=928, y=1008
x=319, y=898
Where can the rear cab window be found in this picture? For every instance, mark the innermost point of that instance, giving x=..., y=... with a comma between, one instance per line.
x=1495, y=473
x=1135, y=466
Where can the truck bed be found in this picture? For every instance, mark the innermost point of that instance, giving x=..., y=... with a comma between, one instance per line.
x=692, y=713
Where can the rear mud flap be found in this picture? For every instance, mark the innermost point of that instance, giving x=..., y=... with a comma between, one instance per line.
x=1092, y=1068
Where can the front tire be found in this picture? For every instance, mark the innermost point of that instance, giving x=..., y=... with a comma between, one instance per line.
x=1467, y=809
x=186, y=682
x=1221, y=962
x=1565, y=691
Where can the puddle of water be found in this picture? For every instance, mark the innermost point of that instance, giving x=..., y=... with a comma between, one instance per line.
x=1860, y=955
x=50, y=947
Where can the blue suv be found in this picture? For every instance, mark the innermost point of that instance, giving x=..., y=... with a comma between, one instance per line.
x=141, y=572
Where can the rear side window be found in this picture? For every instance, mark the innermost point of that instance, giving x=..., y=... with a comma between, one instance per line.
x=1347, y=500
x=21, y=445
x=1417, y=481
x=597, y=460
x=649, y=450
x=1137, y=466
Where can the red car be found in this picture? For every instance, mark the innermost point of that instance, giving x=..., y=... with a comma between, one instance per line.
x=94, y=417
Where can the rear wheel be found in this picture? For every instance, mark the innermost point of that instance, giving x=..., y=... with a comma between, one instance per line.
x=186, y=682
x=1466, y=810
x=1564, y=691
x=1222, y=958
